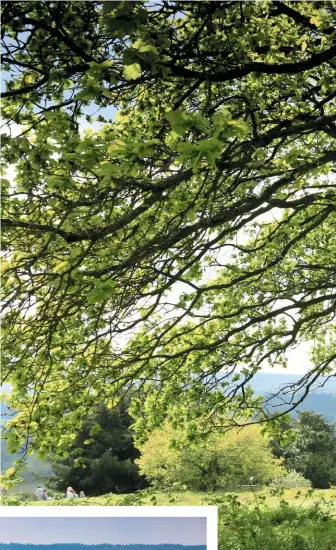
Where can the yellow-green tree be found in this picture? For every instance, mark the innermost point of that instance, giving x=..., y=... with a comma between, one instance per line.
x=225, y=459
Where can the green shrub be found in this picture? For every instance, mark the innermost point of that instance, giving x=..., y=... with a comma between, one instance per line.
x=259, y=527
x=12, y=500
x=290, y=480
x=224, y=460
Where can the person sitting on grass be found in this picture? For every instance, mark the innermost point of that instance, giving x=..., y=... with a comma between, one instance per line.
x=70, y=493
x=39, y=493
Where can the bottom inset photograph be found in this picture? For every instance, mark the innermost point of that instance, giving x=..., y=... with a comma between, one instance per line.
x=96, y=528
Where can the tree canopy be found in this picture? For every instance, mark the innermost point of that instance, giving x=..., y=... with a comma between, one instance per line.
x=225, y=460
x=170, y=228
x=311, y=450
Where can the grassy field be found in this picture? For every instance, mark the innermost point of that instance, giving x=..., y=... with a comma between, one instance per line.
x=189, y=498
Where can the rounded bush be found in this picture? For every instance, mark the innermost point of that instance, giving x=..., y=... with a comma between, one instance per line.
x=290, y=480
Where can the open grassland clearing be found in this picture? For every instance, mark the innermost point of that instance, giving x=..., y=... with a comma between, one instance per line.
x=293, y=497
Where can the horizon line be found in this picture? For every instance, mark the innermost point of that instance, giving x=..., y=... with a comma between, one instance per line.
x=100, y=544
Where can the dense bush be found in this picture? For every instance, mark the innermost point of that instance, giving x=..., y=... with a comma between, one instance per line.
x=285, y=527
x=255, y=525
x=311, y=449
x=224, y=460
x=290, y=480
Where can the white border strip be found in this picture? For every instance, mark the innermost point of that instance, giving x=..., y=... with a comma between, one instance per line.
x=209, y=512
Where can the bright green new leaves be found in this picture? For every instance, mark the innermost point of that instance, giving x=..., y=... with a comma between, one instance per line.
x=122, y=18
x=141, y=52
x=132, y=151
x=102, y=291
x=179, y=122
x=179, y=246
x=61, y=267
x=182, y=122
x=132, y=72
x=223, y=460
x=146, y=51
x=228, y=127
x=209, y=149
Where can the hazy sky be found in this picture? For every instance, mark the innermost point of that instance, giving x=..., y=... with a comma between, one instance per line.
x=154, y=530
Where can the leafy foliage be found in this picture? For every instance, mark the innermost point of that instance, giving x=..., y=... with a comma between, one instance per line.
x=290, y=480
x=224, y=460
x=312, y=451
x=194, y=231
x=285, y=527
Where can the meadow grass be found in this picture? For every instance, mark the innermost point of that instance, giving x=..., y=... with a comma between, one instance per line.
x=191, y=498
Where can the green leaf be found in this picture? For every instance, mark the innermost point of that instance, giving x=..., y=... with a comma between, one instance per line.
x=61, y=267
x=178, y=122
x=220, y=119
x=132, y=72
x=145, y=149
x=75, y=252
x=101, y=291
x=315, y=21
x=191, y=215
x=4, y=184
x=150, y=50
x=210, y=148
x=96, y=429
x=117, y=146
x=239, y=127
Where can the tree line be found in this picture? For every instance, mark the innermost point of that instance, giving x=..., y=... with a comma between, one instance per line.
x=105, y=458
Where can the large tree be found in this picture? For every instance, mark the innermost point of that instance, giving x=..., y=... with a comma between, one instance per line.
x=311, y=449
x=101, y=459
x=224, y=460
x=171, y=225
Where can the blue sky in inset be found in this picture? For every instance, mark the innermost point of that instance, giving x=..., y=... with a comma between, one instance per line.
x=96, y=530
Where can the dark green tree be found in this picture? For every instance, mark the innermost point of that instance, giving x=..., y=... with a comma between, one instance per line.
x=101, y=458
x=312, y=452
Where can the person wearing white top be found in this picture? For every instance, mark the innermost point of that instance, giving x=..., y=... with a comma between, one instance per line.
x=70, y=492
x=39, y=493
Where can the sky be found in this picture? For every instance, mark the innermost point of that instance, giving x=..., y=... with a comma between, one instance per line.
x=94, y=530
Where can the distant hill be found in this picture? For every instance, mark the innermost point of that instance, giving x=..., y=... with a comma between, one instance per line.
x=65, y=546
x=268, y=382
x=321, y=400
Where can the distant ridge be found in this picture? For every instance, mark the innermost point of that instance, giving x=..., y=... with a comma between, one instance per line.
x=321, y=399
x=75, y=546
